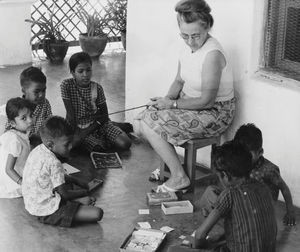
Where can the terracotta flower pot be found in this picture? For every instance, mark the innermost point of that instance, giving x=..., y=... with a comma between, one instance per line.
x=55, y=50
x=94, y=46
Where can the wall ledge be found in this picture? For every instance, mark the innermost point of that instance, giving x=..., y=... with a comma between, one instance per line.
x=276, y=79
x=16, y=1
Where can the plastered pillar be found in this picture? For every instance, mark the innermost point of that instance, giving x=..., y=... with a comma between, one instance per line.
x=15, y=33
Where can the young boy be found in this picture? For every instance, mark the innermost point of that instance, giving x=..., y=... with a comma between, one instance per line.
x=245, y=204
x=33, y=85
x=264, y=171
x=45, y=192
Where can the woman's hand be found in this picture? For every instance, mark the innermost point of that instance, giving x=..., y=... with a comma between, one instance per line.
x=161, y=103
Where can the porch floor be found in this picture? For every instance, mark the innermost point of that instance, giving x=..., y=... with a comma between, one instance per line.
x=124, y=190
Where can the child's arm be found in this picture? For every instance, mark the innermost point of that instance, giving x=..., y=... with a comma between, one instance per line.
x=206, y=226
x=10, y=169
x=69, y=194
x=289, y=218
x=70, y=114
x=102, y=113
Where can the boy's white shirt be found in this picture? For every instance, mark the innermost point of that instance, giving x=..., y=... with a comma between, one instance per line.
x=42, y=173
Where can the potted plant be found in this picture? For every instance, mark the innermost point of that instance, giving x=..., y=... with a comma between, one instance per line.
x=118, y=15
x=49, y=36
x=94, y=40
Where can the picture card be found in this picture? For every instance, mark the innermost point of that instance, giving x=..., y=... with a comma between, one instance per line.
x=166, y=229
x=144, y=211
x=106, y=160
x=69, y=169
x=144, y=225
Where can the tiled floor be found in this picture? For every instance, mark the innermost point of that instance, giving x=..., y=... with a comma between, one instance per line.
x=124, y=190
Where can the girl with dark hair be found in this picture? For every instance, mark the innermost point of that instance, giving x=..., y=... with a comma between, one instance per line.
x=15, y=147
x=86, y=108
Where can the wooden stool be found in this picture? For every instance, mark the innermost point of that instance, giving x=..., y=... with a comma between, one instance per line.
x=190, y=155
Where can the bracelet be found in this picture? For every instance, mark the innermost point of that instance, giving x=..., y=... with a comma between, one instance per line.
x=175, y=105
x=19, y=180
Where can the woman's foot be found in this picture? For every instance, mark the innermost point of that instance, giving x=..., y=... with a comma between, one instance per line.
x=174, y=185
x=178, y=183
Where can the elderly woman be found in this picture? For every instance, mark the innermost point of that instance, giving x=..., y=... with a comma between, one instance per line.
x=200, y=102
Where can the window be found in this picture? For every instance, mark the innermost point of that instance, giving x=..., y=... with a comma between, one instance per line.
x=282, y=38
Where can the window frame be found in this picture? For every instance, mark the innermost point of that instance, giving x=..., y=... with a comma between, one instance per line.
x=275, y=32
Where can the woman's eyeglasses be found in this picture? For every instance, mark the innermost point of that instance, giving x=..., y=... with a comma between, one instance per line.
x=193, y=36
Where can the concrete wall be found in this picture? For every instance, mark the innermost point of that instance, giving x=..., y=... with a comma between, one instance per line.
x=269, y=101
x=15, y=33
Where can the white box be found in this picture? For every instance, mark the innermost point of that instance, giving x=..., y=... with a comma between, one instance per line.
x=177, y=207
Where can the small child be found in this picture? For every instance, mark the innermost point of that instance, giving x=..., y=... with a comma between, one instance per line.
x=86, y=108
x=245, y=204
x=33, y=85
x=45, y=190
x=15, y=147
x=265, y=171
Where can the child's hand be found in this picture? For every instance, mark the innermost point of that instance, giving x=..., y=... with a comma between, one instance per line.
x=87, y=200
x=289, y=218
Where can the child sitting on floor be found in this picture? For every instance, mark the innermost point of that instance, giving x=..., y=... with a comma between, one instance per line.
x=15, y=147
x=245, y=204
x=86, y=108
x=33, y=85
x=265, y=171
x=46, y=194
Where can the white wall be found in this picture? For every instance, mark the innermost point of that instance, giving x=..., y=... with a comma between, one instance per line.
x=15, y=33
x=274, y=106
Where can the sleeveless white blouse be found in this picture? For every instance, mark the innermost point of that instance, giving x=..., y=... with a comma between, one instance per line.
x=191, y=71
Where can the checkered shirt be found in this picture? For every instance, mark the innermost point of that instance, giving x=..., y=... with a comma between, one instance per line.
x=81, y=99
x=40, y=114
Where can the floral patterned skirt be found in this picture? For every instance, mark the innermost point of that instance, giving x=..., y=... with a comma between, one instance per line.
x=177, y=126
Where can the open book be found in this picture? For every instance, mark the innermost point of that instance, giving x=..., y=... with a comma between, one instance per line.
x=106, y=160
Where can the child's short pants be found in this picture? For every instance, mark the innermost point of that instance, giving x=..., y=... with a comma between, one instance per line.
x=64, y=216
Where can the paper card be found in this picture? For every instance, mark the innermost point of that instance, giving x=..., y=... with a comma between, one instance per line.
x=69, y=169
x=186, y=242
x=145, y=225
x=166, y=229
x=144, y=211
x=182, y=237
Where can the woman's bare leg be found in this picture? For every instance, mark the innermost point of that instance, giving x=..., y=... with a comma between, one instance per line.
x=88, y=214
x=167, y=152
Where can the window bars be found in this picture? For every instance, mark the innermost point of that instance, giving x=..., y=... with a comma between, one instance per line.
x=282, y=38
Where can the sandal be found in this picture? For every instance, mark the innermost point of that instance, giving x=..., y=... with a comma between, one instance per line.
x=154, y=177
x=164, y=188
